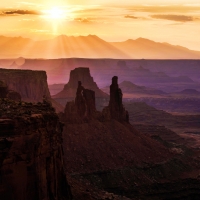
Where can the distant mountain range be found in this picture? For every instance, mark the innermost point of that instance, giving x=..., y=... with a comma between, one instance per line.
x=148, y=49
x=91, y=46
x=130, y=88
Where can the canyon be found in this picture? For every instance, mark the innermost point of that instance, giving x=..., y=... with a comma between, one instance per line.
x=125, y=150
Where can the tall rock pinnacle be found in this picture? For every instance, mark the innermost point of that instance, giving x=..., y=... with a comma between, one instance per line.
x=116, y=107
x=83, y=108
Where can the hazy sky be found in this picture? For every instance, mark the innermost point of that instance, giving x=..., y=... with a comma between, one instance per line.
x=173, y=21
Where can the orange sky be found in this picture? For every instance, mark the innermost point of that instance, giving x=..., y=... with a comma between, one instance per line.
x=175, y=22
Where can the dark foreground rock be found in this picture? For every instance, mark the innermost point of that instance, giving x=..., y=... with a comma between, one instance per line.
x=3, y=89
x=31, y=155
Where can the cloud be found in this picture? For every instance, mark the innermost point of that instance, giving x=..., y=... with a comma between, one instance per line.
x=130, y=16
x=179, y=18
x=18, y=12
x=88, y=10
x=165, y=9
x=84, y=20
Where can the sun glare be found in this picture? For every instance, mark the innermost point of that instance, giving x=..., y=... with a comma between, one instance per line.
x=55, y=13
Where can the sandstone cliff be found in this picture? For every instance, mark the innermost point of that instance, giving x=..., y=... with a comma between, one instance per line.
x=83, y=75
x=26, y=85
x=31, y=85
x=31, y=155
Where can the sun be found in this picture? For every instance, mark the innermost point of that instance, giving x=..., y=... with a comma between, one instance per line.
x=55, y=16
x=55, y=13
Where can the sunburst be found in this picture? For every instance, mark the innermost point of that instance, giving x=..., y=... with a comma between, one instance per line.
x=55, y=13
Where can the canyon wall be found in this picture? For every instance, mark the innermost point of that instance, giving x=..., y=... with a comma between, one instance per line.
x=31, y=155
x=31, y=85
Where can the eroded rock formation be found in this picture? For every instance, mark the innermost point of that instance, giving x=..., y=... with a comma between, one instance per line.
x=83, y=108
x=83, y=75
x=31, y=85
x=85, y=101
x=31, y=156
x=115, y=109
